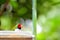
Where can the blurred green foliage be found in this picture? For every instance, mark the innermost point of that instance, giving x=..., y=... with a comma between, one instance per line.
x=2, y=2
x=18, y=9
x=49, y=17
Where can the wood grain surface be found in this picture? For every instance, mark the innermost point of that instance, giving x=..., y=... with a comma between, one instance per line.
x=15, y=38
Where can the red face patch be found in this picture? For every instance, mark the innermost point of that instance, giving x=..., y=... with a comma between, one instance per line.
x=19, y=26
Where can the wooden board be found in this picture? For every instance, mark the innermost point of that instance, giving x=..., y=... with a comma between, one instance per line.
x=13, y=35
x=14, y=38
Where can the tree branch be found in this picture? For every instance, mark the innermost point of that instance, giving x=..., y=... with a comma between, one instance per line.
x=5, y=5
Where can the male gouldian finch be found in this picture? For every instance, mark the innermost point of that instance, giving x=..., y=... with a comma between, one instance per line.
x=19, y=27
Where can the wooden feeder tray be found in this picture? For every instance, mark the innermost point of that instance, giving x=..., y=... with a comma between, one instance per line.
x=12, y=35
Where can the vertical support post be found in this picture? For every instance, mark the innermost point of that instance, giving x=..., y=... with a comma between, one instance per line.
x=34, y=16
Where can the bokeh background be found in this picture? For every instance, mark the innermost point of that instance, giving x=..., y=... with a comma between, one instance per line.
x=48, y=25
x=13, y=12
